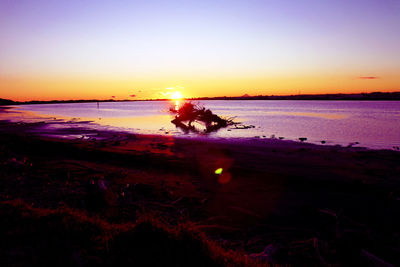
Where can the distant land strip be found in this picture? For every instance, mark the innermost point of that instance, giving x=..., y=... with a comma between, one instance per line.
x=360, y=96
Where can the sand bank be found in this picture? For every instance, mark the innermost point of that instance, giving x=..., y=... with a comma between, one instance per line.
x=276, y=201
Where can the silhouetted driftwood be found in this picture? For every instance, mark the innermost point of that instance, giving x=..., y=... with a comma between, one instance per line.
x=189, y=113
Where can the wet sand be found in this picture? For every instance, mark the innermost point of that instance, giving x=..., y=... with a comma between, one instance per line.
x=256, y=201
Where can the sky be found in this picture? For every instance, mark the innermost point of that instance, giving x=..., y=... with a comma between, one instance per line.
x=149, y=49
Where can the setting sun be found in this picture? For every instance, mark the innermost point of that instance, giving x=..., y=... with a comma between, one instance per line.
x=176, y=95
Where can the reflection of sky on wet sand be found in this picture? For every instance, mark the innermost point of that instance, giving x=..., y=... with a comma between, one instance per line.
x=155, y=124
x=16, y=115
x=151, y=123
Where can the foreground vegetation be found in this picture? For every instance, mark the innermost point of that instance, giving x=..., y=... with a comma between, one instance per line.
x=65, y=237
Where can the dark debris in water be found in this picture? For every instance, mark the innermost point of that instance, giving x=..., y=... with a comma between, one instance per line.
x=190, y=113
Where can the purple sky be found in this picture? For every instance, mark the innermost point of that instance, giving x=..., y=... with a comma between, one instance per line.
x=181, y=39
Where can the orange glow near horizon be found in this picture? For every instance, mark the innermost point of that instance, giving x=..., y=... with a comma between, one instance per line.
x=65, y=88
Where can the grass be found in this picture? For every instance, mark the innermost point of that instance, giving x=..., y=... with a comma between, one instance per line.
x=66, y=237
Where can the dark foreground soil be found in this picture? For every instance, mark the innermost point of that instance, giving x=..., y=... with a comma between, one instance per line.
x=120, y=199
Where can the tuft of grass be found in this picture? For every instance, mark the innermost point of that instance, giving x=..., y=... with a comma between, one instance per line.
x=66, y=237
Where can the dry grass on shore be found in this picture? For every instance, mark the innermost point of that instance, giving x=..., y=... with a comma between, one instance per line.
x=66, y=237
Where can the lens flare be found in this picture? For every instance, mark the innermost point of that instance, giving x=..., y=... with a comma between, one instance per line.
x=224, y=178
x=219, y=171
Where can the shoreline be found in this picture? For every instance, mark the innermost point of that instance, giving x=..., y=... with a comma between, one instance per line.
x=86, y=126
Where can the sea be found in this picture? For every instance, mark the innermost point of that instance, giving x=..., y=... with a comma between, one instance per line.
x=371, y=124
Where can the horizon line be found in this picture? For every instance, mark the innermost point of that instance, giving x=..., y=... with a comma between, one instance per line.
x=243, y=97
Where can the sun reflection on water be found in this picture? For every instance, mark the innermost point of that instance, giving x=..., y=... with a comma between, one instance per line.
x=177, y=102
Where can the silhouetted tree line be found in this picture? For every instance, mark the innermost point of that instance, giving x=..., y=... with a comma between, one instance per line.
x=11, y=102
x=361, y=96
x=6, y=102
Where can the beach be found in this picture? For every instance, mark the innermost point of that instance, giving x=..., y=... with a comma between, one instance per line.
x=222, y=202
x=200, y=133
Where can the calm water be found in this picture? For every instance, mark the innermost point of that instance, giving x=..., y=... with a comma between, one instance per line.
x=374, y=124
